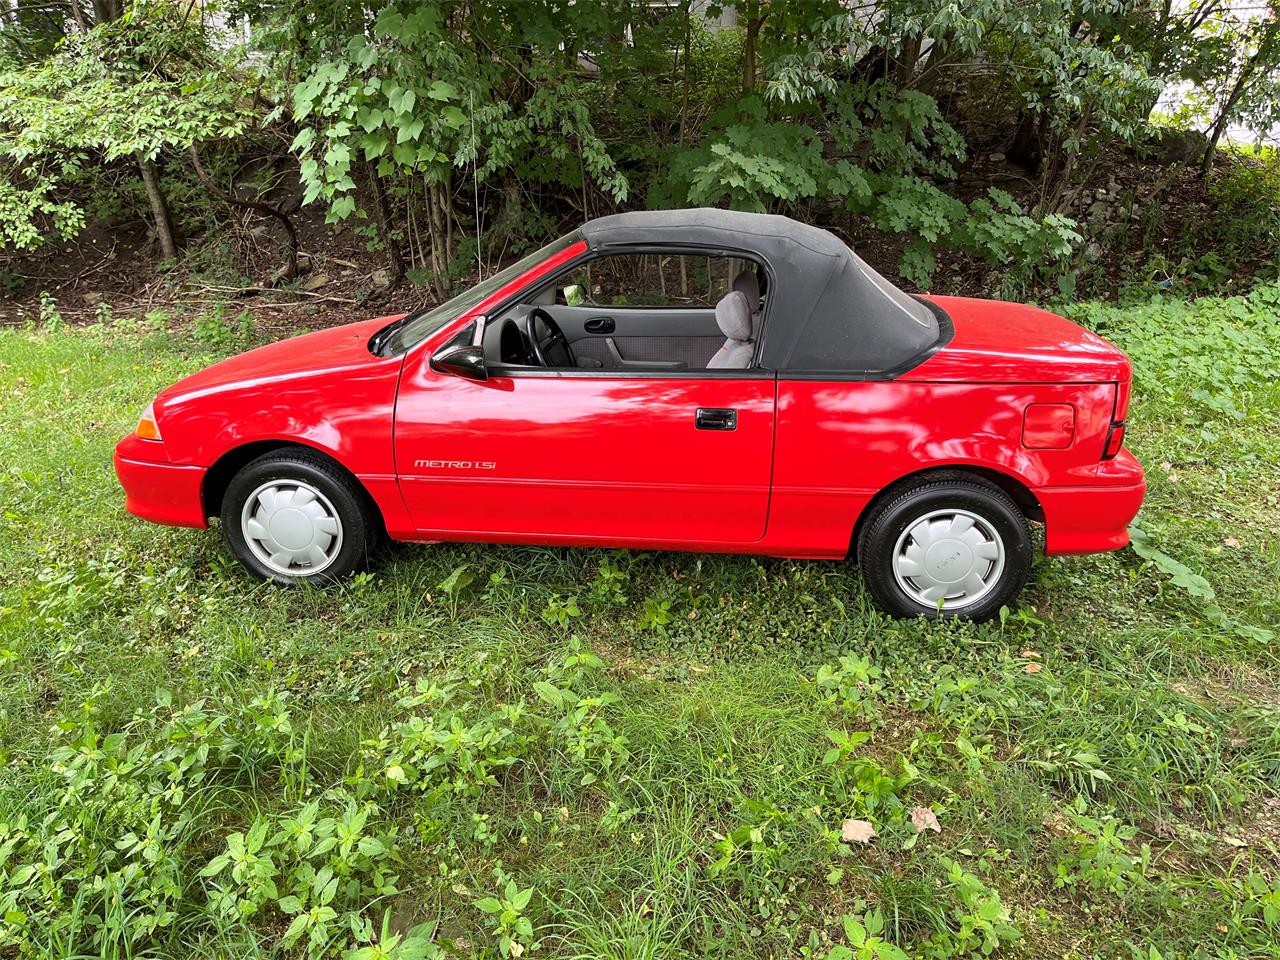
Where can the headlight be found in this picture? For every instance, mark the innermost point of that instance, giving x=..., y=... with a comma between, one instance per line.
x=147, y=427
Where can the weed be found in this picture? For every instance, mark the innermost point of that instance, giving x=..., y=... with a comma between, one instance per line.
x=662, y=747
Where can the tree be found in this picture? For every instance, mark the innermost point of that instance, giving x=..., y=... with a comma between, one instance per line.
x=409, y=93
x=128, y=83
x=1251, y=88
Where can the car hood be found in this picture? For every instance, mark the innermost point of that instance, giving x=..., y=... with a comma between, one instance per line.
x=324, y=351
x=998, y=342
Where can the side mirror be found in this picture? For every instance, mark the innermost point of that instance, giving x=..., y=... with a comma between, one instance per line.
x=465, y=362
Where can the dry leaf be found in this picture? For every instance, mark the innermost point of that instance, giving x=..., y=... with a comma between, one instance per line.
x=1056, y=823
x=857, y=831
x=1231, y=541
x=1033, y=668
x=922, y=818
x=1030, y=654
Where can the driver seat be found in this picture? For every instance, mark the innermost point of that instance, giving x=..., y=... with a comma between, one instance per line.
x=733, y=316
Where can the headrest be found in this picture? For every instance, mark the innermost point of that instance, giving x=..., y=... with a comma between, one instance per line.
x=734, y=315
x=748, y=284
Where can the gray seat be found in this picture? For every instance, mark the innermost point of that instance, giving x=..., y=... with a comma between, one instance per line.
x=733, y=316
x=748, y=284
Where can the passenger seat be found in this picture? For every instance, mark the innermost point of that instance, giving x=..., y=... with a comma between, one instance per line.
x=733, y=316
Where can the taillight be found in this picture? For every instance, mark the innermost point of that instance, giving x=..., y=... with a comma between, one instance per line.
x=1115, y=435
x=1115, y=441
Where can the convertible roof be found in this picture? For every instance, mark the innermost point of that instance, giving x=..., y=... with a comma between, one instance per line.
x=827, y=310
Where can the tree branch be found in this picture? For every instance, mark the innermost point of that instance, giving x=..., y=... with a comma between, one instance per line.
x=291, y=265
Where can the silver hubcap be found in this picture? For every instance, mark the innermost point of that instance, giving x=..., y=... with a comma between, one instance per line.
x=952, y=556
x=291, y=527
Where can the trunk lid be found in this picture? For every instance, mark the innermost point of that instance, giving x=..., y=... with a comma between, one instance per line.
x=999, y=342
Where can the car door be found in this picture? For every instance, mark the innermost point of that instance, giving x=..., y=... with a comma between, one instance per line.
x=611, y=458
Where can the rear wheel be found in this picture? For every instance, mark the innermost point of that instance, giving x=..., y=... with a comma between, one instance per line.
x=946, y=548
x=294, y=517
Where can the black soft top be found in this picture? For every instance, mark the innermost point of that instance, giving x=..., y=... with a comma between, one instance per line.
x=827, y=310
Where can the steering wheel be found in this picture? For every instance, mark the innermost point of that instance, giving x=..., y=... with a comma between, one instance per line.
x=555, y=352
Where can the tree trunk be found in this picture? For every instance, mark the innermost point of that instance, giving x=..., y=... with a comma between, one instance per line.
x=754, y=21
x=81, y=23
x=684, y=86
x=437, y=207
x=108, y=11
x=159, y=207
x=382, y=222
x=907, y=60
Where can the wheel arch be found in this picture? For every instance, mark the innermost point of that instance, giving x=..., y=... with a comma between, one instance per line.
x=218, y=476
x=1014, y=487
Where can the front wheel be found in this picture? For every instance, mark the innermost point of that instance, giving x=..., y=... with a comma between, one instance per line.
x=946, y=548
x=293, y=517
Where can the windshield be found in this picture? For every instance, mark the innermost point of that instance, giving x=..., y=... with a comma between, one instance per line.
x=416, y=327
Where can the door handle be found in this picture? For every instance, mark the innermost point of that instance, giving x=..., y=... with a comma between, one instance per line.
x=600, y=325
x=714, y=418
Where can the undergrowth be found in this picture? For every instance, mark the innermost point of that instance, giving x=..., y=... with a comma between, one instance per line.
x=509, y=751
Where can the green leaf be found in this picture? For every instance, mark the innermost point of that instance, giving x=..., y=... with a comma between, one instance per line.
x=457, y=581
x=489, y=905
x=549, y=693
x=403, y=101
x=409, y=131
x=854, y=931
x=295, y=929
x=440, y=90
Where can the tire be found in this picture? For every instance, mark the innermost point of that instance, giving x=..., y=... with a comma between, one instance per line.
x=959, y=541
x=294, y=517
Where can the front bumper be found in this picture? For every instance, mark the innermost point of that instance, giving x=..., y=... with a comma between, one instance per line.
x=1094, y=518
x=157, y=490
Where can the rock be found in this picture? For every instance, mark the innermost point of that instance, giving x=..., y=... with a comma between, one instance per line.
x=1093, y=251
x=315, y=283
x=382, y=278
x=1168, y=146
x=995, y=157
x=91, y=298
x=1098, y=210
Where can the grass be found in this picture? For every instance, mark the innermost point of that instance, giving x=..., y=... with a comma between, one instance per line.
x=484, y=751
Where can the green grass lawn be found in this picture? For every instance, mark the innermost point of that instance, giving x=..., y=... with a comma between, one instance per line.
x=480, y=751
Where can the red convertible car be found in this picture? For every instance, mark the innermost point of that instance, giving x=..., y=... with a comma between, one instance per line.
x=686, y=380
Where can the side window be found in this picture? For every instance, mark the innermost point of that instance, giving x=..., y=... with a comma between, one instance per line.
x=653, y=280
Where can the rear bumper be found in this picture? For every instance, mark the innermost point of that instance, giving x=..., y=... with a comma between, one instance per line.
x=158, y=491
x=1094, y=518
